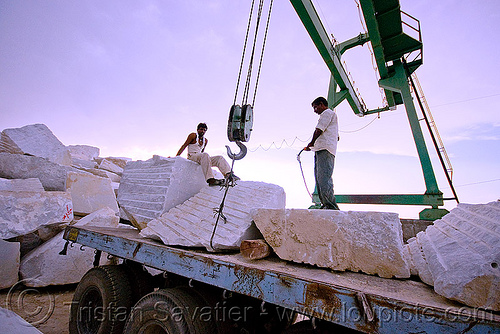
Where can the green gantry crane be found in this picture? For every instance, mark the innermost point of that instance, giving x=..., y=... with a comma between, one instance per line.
x=397, y=56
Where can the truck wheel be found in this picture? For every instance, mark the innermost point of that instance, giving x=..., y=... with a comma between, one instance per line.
x=172, y=311
x=141, y=282
x=101, y=302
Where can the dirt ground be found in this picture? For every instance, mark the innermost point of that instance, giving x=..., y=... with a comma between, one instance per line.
x=45, y=308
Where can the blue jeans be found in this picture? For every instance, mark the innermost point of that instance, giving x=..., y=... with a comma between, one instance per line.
x=323, y=170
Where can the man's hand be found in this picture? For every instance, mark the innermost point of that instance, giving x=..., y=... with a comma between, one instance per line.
x=307, y=148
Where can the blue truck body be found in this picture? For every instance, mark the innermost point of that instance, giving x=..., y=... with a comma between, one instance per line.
x=366, y=303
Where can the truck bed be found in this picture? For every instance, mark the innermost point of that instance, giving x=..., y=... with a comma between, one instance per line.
x=367, y=303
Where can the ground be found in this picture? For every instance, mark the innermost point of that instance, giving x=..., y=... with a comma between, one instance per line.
x=45, y=308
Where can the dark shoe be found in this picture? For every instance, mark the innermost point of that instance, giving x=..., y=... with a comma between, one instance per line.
x=323, y=207
x=215, y=182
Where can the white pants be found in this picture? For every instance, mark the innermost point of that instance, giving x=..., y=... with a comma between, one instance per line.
x=207, y=162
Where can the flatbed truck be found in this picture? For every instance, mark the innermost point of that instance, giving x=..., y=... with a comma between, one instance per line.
x=195, y=291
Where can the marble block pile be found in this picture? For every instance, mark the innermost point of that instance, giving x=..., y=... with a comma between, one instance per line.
x=43, y=184
x=370, y=242
x=192, y=222
x=46, y=266
x=460, y=255
x=150, y=188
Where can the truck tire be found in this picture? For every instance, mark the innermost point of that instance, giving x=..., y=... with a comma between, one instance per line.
x=101, y=302
x=172, y=311
x=141, y=282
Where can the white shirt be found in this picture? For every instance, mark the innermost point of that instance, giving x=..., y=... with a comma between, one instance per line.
x=327, y=123
x=196, y=147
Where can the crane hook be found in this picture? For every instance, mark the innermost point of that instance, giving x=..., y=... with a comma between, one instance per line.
x=241, y=154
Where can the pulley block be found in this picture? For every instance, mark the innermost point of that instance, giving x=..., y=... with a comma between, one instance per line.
x=240, y=123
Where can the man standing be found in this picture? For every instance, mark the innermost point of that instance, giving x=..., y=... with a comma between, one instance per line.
x=196, y=143
x=324, y=145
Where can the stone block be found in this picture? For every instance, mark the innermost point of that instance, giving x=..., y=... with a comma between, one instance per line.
x=83, y=164
x=10, y=256
x=192, y=222
x=120, y=162
x=28, y=242
x=90, y=193
x=44, y=265
x=37, y=140
x=12, y=323
x=370, y=242
x=412, y=226
x=83, y=152
x=17, y=166
x=110, y=166
x=21, y=185
x=23, y=212
x=102, y=173
x=115, y=178
x=460, y=255
x=150, y=188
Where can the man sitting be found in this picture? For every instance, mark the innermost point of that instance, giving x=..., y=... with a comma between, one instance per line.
x=196, y=143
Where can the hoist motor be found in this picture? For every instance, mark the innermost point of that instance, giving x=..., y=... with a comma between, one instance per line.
x=239, y=126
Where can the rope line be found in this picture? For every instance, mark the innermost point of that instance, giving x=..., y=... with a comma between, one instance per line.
x=283, y=142
x=474, y=183
x=244, y=51
x=262, y=52
x=373, y=120
x=249, y=71
x=250, y=65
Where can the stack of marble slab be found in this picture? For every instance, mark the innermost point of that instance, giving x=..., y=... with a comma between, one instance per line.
x=460, y=255
x=25, y=208
x=43, y=184
x=193, y=222
x=33, y=151
x=152, y=187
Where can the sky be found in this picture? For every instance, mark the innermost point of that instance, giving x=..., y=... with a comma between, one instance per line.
x=134, y=78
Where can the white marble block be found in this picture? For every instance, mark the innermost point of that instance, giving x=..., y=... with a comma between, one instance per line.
x=44, y=265
x=460, y=255
x=21, y=185
x=18, y=166
x=119, y=161
x=371, y=242
x=192, y=223
x=110, y=166
x=37, y=140
x=83, y=152
x=150, y=188
x=23, y=212
x=10, y=255
x=90, y=193
x=12, y=323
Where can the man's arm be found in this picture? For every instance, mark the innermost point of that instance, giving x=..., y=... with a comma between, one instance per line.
x=316, y=134
x=188, y=141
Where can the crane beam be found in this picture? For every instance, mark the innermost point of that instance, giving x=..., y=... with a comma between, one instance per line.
x=309, y=17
